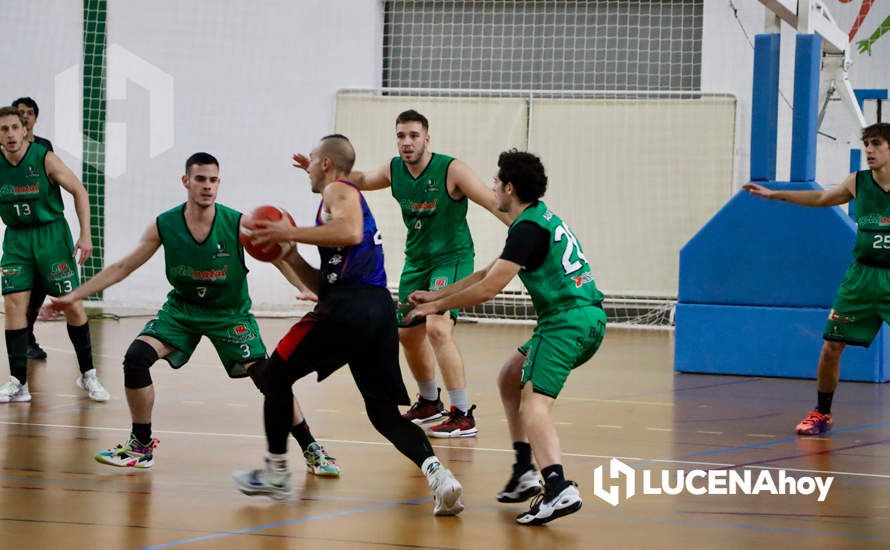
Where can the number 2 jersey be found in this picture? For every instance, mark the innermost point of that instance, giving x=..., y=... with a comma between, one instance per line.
x=561, y=278
x=873, y=218
x=28, y=197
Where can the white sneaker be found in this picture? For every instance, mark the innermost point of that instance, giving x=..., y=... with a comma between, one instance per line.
x=89, y=383
x=14, y=391
x=272, y=484
x=446, y=488
x=568, y=501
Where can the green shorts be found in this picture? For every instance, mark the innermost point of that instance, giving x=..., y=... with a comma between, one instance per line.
x=560, y=343
x=862, y=304
x=39, y=256
x=235, y=336
x=430, y=278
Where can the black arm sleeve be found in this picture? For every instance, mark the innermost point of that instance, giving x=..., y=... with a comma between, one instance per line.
x=527, y=245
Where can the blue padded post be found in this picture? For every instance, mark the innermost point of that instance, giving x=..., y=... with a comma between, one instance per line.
x=765, y=107
x=805, y=120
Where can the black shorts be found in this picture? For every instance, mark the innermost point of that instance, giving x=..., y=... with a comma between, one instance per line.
x=354, y=325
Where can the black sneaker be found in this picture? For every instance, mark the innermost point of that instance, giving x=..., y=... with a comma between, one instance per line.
x=521, y=487
x=35, y=352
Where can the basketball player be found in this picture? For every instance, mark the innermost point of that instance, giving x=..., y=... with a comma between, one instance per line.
x=432, y=190
x=545, y=254
x=860, y=307
x=29, y=111
x=353, y=322
x=38, y=250
x=205, y=266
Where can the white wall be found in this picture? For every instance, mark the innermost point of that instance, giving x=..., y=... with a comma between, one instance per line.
x=727, y=66
x=252, y=83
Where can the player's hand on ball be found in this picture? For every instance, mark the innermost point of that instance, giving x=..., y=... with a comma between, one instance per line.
x=268, y=231
x=301, y=161
x=758, y=190
x=420, y=297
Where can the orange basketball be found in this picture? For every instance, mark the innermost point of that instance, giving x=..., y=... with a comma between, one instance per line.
x=268, y=252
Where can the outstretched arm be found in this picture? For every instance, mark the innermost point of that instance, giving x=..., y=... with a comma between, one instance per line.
x=496, y=277
x=828, y=197
x=373, y=180
x=423, y=296
x=466, y=181
x=116, y=272
x=61, y=174
x=366, y=181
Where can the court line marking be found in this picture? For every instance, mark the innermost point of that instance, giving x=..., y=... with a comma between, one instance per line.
x=248, y=530
x=711, y=432
x=619, y=401
x=471, y=449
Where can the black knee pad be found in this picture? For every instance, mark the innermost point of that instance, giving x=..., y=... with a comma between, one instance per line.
x=139, y=358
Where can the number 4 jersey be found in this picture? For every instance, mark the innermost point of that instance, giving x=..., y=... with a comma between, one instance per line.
x=564, y=280
x=27, y=196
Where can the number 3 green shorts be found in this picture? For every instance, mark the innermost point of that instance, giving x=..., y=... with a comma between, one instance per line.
x=40, y=255
x=235, y=336
x=560, y=343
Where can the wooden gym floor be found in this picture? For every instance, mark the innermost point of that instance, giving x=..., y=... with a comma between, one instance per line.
x=625, y=403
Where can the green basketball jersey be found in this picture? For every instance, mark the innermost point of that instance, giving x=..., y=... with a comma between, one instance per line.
x=873, y=218
x=564, y=280
x=210, y=273
x=437, y=224
x=27, y=196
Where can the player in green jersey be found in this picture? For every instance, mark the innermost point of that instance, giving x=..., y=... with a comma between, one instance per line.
x=204, y=262
x=861, y=305
x=29, y=111
x=38, y=251
x=548, y=258
x=432, y=190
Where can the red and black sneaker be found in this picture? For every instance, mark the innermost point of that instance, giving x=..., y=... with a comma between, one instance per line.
x=814, y=424
x=424, y=410
x=458, y=424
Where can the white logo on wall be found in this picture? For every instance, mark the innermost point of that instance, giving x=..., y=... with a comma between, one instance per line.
x=705, y=482
x=123, y=66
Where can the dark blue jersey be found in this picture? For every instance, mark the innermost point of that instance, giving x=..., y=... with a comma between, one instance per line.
x=360, y=264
